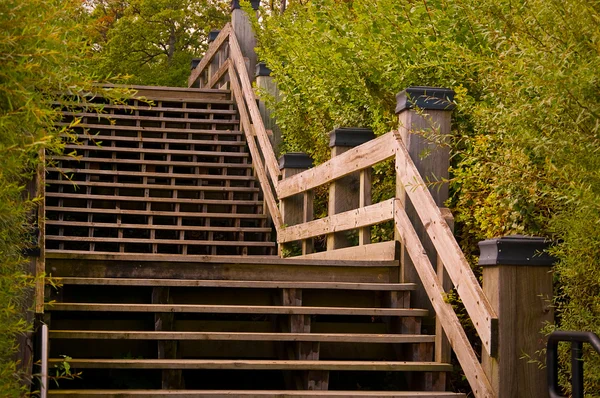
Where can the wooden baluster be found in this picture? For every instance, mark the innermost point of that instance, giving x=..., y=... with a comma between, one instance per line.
x=346, y=193
x=296, y=209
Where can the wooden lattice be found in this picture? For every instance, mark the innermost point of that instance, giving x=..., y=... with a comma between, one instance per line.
x=171, y=176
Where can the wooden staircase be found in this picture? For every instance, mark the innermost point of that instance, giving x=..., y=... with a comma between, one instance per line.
x=268, y=337
x=167, y=286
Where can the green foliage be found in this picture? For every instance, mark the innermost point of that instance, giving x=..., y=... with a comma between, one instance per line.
x=42, y=51
x=152, y=41
x=526, y=129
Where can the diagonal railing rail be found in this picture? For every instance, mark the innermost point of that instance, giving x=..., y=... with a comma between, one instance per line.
x=230, y=69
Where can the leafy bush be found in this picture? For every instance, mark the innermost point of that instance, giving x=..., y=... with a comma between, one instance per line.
x=526, y=129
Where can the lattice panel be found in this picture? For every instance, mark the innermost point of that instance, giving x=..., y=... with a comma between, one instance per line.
x=173, y=177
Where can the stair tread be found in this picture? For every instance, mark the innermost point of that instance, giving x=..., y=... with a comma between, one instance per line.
x=256, y=364
x=257, y=393
x=238, y=284
x=236, y=309
x=242, y=336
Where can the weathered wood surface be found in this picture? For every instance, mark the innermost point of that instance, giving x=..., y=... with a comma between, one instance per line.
x=480, y=310
x=362, y=217
x=444, y=311
x=238, y=284
x=243, y=336
x=259, y=169
x=355, y=159
x=236, y=309
x=250, y=393
x=383, y=251
x=224, y=68
x=258, y=364
x=250, y=99
x=210, y=53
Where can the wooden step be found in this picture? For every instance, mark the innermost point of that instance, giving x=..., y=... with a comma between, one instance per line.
x=184, y=214
x=188, y=242
x=243, y=336
x=255, y=364
x=250, y=393
x=236, y=309
x=238, y=284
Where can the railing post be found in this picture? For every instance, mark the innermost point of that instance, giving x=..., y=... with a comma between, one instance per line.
x=265, y=82
x=517, y=280
x=242, y=28
x=216, y=62
x=351, y=191
x=296, y=209
x=424, y=116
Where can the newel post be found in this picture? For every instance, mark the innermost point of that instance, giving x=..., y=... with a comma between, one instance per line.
x=245, y=35
x=265, y=82
x=517, y=279
x=296, y=209
x=352, y=191
x=424, y=121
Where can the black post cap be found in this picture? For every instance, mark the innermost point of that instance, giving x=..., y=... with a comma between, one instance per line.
x=212, y=35
x=262, y=69
x=433, y=98
x=235, y=4
x=350, y=136
x=295, y=160
x=516, y=250
x=194, y=63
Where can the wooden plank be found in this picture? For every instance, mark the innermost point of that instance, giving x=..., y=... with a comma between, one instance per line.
x=261, y=134
x=362, y=217
x=243, y=336
x=444, y=311
x=259, y=169
x=100, y=148
x=190, y=242
x=155, y=162
x=250, y=393
x=133, y=185
x=393, y=287
x=257, y=364
x=98, y=138
x=254, y=261
x=188, y=176
x=235, y=309
x=476, y=303
x=148, y=129
x=152, y=199
x=210, y=53
x=218, y=74
x=355, y=159
x=158, y=226
x=383, y=251
x=114, y=117
x=183, y=214
x=144, y=108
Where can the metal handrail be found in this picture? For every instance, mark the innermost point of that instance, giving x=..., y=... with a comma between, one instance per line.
x=576, y=339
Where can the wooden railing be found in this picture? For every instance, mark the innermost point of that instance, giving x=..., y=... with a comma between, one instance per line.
x=231, y=68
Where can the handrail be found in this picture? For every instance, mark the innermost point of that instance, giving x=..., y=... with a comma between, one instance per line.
x=252, y=124
x=576, y=339
x=359, y=159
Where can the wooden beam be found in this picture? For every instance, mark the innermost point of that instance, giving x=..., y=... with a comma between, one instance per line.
x=235, y=309
x=219, y=74
x=258, y=166
x=249, y=393
x=210, y=53
x=248, y=93
x=444, y=311
x=355, y=159
x=476, y=303
x=383, y=251
x=257, y=364
x=362, y=217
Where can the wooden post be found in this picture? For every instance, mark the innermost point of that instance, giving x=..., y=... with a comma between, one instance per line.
x=424, y=115
x=296, y=209
x=517, y=279
x=244, y=34
x=216, y=62
x=265, y=82
x=352, y=191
